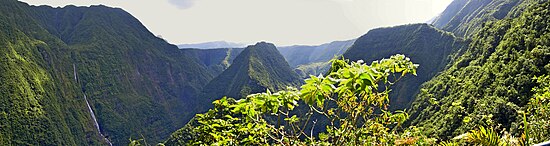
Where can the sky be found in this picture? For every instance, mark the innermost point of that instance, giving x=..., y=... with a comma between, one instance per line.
x=283, y=22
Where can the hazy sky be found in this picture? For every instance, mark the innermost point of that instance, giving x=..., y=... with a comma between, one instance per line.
x=283, y=22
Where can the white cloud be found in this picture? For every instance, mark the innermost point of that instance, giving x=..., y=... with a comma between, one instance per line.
x=182, y=4
x=283, y=22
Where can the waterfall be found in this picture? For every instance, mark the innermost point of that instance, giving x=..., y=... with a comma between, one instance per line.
x=92, y=114
x=96, y=124
x=74, y=72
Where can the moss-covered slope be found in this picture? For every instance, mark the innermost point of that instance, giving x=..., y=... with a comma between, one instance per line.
x=492, y=81
x=136, y=83
x=433, y=49
x=466, y=17
x=257, y=68
x=215, y=60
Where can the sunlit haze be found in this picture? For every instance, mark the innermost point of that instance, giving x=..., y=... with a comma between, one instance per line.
x=283, y=22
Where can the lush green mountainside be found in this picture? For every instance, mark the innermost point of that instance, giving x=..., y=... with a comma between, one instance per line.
x=313, y=60
x=301, y=55
x=433, y=49
x=257, y=68
x=40, y=103
x=316, y=68
x=466, y=17
x=492, y=81
x=306, y=60
x=216, y=60
x=135, y=82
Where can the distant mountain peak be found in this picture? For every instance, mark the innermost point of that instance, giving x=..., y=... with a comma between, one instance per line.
x=262, y=43
x=257, y=68
x=213, y=45
x=263, y=46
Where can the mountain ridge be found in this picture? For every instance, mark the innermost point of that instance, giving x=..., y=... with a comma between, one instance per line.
x=466, y=17
x=492, y=81
x=257, y=68
x=136, y=83
x=212, y=45
x=216, y=60
x=424, y=44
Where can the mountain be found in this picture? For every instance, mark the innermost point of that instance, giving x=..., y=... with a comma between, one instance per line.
x=492, y=81
x=315, y=68
x=306, y=60
x=35, y=106
x=257, y=68
x=424, y=44
x=64, y=67
x=301, y=55
x=212, y=45
x=313, y=60
x=465, y=17
x=215, y=60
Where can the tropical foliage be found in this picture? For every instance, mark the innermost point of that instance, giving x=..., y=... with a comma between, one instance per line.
x=432, y=48
x=499, y=81
x=353, y=96
x=491, y=90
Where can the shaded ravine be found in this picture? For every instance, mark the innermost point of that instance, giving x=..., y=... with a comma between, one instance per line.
x=92, y=114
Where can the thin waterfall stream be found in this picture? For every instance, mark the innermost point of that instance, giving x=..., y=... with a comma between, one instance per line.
x=92, y=114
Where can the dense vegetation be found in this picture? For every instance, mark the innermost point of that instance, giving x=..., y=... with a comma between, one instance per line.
x=348, y=96
x=312, y=69
x=257, y=68
x=137, y=84
x=494, y=90
x=354, y=96
x=215, y=60
x=466, y=17
x=501, y=75
x=491, y=89
x=424, y=44
x=37, y=106
x=313, y=60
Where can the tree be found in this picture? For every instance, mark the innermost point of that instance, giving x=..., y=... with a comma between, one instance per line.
x=353, y=96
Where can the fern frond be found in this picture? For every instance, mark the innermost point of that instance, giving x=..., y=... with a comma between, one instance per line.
x=448, y=143
x=484, y=136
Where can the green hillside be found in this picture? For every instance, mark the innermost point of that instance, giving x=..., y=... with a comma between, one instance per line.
x=492, y=81
x=135, y=82
x=433, y=49
x=313, y=60
x=257, y=68
x=38, y=106
x=465, y=17
x=302, y=55
x=97, y=76
x=492, y=89
x=215, y=60
x=315, y=69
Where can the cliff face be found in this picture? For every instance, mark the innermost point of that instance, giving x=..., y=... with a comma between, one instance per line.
x=135, y=82
x=433, y=49
x=215, y=60
x=257, y=68
x=492, y=81
x=466, y=17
